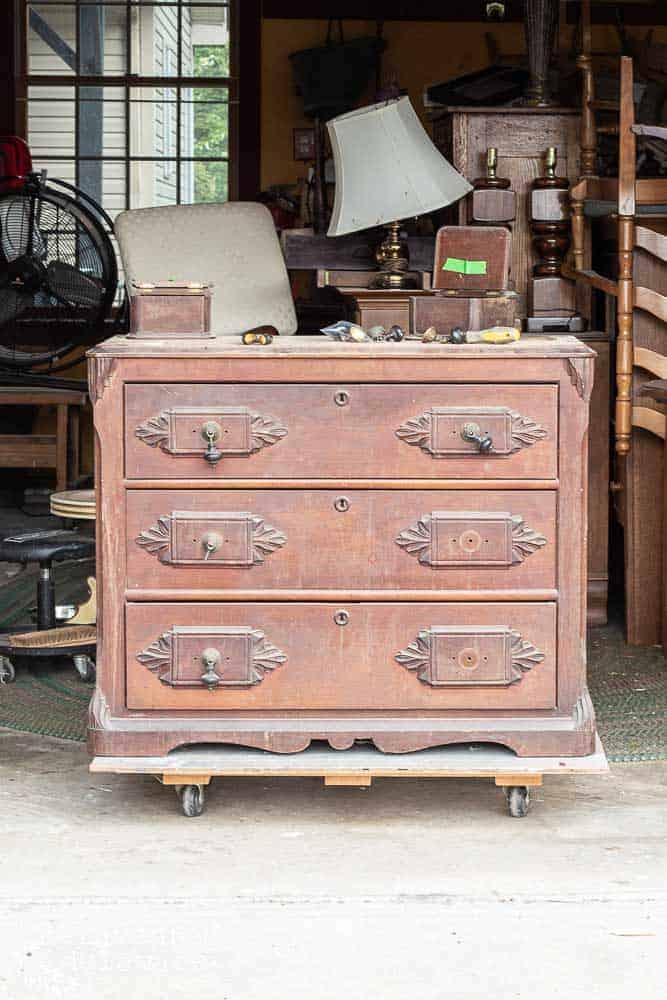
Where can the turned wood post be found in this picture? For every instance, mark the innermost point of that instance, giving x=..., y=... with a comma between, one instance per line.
x=588, y=159
x=624, y=347
x=626, y=239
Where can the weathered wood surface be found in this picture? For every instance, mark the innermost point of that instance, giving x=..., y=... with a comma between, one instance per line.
x=402, y=667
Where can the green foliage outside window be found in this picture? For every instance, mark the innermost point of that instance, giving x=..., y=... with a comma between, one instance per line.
x=211, y=124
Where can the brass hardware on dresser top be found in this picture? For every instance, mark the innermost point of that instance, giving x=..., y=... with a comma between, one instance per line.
x=277, y=569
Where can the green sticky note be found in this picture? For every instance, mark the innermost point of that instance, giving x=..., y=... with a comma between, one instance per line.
x=464, y=266
x=454, y=264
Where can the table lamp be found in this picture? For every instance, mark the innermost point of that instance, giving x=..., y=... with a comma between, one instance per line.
x=388, y=169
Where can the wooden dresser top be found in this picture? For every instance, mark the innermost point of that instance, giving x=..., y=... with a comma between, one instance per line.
x=319, y=348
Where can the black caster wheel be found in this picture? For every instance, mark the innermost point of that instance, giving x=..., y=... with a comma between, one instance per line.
x=192, y=799
x=85, y=667
x=7, y=671
x=518, y=801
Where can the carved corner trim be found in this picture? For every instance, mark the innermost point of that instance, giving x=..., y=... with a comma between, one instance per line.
x=525, y=432
x=417, y=656
x=99, y=713
x=265, y=431
x=524, y=655
x=154, y=431
x=100, y=375
x=583, y=713
x=577, y=369
x=157, y=539
x=265, y=656
x=417, y=540
x=157, y=656
x=519, y=654
x=416, y=431
x=264, y=539
x=525, y=540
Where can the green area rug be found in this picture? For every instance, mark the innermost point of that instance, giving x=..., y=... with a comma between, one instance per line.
x=628, y=684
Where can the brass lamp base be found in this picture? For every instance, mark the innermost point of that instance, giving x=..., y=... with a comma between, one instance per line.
x=393, y=256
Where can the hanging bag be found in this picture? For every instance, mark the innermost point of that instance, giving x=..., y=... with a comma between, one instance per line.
x=332, y=77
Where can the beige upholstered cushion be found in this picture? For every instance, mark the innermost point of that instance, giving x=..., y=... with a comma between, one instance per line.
x=233, y=246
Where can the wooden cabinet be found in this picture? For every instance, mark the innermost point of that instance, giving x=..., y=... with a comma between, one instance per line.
x=522, y=136
x=382, y=542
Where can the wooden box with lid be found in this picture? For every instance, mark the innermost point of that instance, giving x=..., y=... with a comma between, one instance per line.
x=339, y=542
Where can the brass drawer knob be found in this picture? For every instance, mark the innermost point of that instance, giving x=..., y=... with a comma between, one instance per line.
x=474, y=434
x=211, y=542
x=211, y=432
x=210, y=659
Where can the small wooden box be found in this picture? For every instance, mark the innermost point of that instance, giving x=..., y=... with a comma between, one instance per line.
x=471, y=258
x=167, y=309
x=469, y=312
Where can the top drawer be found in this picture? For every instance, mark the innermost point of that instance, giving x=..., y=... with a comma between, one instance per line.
x=238, y=431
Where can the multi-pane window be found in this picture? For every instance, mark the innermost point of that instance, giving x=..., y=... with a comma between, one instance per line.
x=130, y=99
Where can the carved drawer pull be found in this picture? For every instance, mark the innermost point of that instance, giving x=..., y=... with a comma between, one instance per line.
x=214, y=432
x=342, y=618
x=469, y=656
x=216, y=656
x=449, y=431
x=342, y=397
x=464, y=538
x=341, y=504
x=218, y=538
x=474, y=434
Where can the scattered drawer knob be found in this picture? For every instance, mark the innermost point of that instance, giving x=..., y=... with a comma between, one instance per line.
x=341, y=504
x=341, y=618
x=210, y=659
x=211, y=542
x=342, y=397
x=473, y=433
x=211, y=432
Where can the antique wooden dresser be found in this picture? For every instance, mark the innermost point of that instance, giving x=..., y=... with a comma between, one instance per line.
x=319, y=541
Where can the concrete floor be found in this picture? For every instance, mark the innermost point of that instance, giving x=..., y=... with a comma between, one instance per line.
x=285, y=889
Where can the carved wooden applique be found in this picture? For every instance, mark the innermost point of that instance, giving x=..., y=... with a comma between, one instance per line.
x=469, y=656
x=459, y=538
x=218, y=538
x=182, y=430
x=440, y=431
x=211, y=657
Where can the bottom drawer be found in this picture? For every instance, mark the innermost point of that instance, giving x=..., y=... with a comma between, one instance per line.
x=365, y=657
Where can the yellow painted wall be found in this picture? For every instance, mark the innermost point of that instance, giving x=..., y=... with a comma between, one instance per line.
x=421, y=53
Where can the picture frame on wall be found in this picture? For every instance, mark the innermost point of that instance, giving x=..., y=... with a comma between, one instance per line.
x=304, y=144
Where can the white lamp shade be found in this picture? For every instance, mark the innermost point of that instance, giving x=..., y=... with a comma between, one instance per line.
x=387, y=168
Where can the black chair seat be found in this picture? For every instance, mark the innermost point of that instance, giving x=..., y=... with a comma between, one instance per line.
x=46, y=546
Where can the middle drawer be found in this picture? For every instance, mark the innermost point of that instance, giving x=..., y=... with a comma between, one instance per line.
x=251, y=540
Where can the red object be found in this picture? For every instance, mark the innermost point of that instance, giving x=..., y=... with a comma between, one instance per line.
x=15, y=162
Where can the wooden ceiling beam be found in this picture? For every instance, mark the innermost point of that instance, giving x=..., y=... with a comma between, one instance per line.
x=637, y=13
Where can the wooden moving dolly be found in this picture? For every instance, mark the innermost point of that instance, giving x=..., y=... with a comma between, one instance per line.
x=189, y=771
